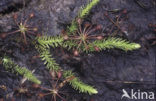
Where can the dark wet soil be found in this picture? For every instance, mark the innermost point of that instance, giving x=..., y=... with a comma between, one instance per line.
x=96, y=69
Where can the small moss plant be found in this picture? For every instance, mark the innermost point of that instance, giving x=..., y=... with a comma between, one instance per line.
x=82, y=14
x=14, y=68
x=79, y=85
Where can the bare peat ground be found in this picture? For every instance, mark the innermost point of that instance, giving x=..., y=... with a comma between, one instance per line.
x=96, y=69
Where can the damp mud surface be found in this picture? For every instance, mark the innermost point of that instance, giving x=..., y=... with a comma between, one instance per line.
x=110, y=71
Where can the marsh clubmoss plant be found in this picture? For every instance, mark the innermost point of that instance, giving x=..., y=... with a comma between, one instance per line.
x=47, y=58
x=53, y=66
x=80, y=40
x=79, y=85
x=11, y=66
x=84, y=11
x=84, y=42
x=46, y=41
x=111, y=42
x=85, y=39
